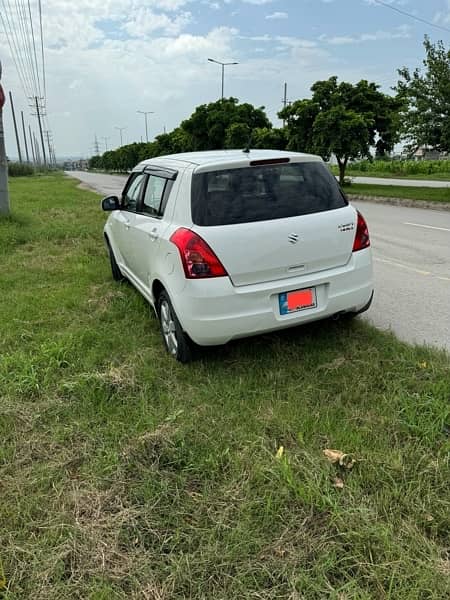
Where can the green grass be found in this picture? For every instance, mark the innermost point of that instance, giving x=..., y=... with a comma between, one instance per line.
x=393, y=191
x=430, y=176
x=409, y=169
x=126, y=475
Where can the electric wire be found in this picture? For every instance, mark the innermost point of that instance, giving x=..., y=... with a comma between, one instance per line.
x=25, y=39
x=17, y=57
x=407, y=14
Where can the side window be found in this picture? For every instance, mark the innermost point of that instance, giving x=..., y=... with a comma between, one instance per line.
x=152, y=203
x=131, y=196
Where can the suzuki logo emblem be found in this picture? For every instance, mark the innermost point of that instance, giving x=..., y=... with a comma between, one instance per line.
x=293, y=238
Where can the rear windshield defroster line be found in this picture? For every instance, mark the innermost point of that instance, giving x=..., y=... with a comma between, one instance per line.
x=263, y=193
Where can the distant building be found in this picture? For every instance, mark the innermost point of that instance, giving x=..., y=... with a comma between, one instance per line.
x=81, y=164
x=429, y=153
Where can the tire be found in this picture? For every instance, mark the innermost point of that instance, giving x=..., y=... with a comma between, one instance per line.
x=115, y=270
x=176, y=342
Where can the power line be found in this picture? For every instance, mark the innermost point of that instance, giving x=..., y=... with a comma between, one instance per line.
x=407, y=14
x=42, y=47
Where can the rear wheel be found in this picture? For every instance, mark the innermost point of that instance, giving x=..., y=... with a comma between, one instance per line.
x=175, y=340
x=115, y=270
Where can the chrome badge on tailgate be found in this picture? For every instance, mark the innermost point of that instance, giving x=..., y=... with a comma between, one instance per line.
x=346, y=227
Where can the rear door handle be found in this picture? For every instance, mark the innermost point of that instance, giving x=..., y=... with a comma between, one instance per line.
x=153, y=234
x=127, y=224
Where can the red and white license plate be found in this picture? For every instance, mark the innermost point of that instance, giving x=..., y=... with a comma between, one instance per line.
x=297, y=300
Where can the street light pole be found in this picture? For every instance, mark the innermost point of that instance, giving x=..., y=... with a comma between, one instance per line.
x=120, y=129
x=145, y=113
x=223, y=65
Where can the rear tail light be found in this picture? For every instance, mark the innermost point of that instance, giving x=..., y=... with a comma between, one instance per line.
x=362, y=239
x=199, y=261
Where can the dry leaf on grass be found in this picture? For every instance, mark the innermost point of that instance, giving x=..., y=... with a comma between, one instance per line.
x=340, y=458
x=280, y=452
x=338, y=483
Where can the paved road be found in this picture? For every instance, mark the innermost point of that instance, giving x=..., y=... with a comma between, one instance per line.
x=401, y=182
x=108, y=185
x=411, y=249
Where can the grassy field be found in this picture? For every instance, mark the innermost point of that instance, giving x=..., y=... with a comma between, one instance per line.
x=403, y=169
x=125, y=475
x=430, y=176
x=392, y=191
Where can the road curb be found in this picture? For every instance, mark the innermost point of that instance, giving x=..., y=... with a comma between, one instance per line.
x=443, y=206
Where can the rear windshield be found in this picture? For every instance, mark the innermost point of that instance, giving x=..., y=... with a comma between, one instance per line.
x=263, y=193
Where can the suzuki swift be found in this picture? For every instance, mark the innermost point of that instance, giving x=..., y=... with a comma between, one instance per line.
x=229, y=244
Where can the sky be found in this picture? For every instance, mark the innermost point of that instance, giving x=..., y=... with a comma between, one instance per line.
x=107, y=59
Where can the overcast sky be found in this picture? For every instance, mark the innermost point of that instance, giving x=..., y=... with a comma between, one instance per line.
x=106, y=59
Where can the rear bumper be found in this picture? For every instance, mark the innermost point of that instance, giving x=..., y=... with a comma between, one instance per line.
x=213, y=311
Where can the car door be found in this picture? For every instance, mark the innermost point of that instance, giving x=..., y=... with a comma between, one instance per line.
x=149, y=225
x=125, y=217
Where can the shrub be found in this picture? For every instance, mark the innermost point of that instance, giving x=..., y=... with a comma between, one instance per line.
x=16, y=169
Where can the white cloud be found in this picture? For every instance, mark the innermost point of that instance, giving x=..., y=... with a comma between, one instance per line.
x=258, y=2
x=402, y=32
x=277, y=15
x=145, y=22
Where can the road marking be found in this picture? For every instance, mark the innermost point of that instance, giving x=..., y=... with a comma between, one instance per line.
x=401, y=265
x=408, y=268
x=427, y=226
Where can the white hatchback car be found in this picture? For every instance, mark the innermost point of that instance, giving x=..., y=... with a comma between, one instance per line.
x=229, y=244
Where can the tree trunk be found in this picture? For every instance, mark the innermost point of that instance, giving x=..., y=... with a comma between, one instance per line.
x=342, y=166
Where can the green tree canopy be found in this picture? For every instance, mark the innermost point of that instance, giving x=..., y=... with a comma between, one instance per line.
x=427, y=93
x=343, y=119
x=207, y=128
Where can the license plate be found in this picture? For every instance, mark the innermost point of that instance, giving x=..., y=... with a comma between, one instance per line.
x=297, y=300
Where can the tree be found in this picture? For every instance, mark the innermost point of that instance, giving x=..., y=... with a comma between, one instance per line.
x=4, y=197
x=222, y=124
x=427, y=117
x=208, y=126
x=345, y=120
x=270, y=138
x=237, y=135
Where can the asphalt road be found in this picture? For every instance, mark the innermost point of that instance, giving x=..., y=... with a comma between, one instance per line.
x=108, y=185
x=411, y=248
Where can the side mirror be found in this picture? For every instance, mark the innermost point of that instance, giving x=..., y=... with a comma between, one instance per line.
x=110, y=203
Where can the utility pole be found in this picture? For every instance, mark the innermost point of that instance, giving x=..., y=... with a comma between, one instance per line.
x=49, y=146
x=31, y=144
x=15, y=127
x=145, y=113
x=36, y=149
x=40, y=130
x=120, y=129
x=96, y=146
x=25, y=137
x=285, y=102
x=4, y=196
x=105, y=139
